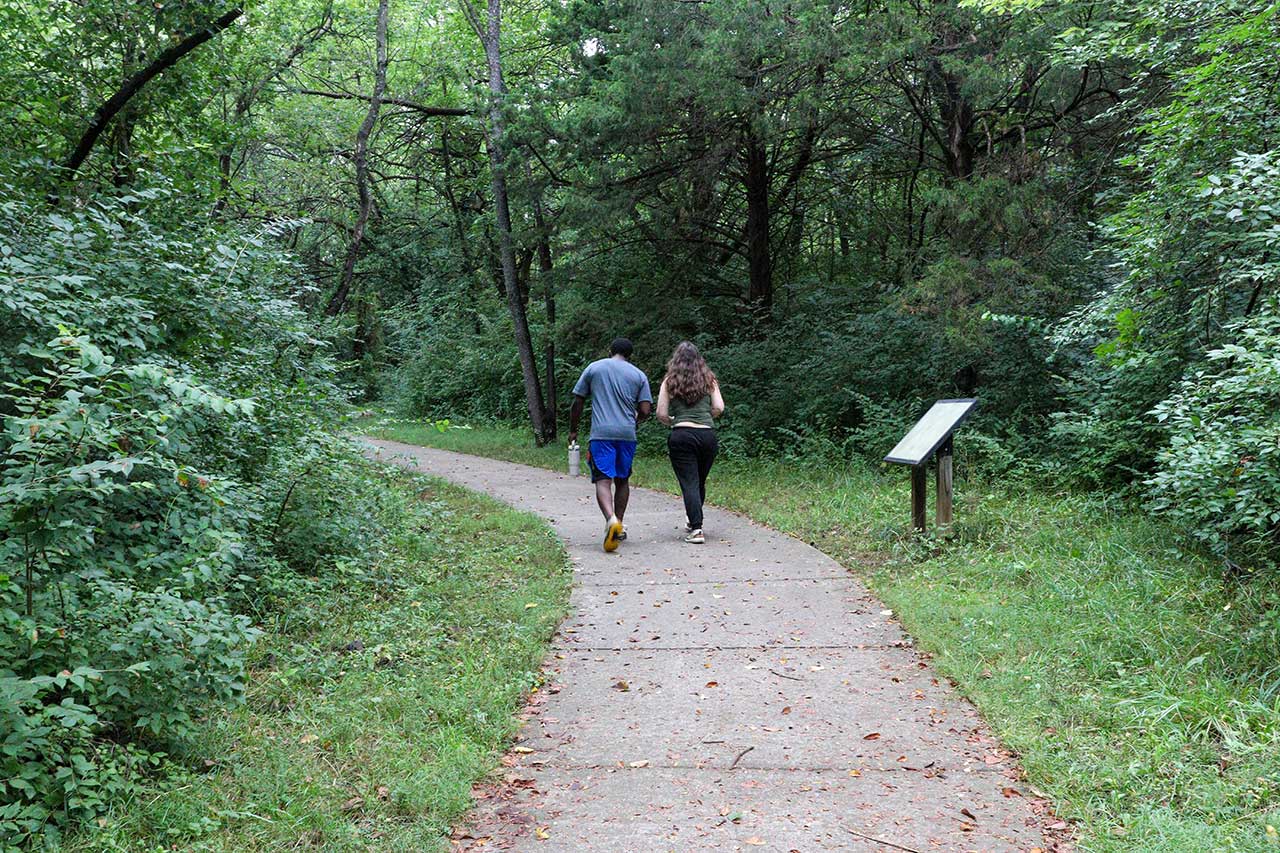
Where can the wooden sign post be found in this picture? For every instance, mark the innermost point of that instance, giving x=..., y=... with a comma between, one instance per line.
x=932, y=435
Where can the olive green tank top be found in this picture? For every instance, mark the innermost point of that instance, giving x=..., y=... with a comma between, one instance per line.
x=697, y=412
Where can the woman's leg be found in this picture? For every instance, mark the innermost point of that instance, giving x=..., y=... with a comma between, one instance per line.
x=707, y=449
x=682, y=448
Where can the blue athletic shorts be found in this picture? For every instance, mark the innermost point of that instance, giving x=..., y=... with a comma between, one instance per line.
x=611, y=460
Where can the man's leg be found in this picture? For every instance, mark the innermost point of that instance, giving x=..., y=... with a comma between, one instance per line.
x=626, y=451
x=604, y=465
x=622, y=494
x=603, y=460
x=604, y=497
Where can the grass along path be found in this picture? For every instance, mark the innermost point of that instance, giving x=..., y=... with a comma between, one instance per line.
x=1141, y=690
x=378, y=696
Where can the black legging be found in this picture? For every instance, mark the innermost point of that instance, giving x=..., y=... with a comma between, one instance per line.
x=692, y=451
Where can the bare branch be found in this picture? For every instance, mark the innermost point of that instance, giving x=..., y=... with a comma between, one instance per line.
x=399, y=102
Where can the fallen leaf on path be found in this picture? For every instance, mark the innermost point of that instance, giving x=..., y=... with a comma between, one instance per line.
x=523, y=750
x=855, y=773
x=786, y=710
x=871, y=736
x=542, y=833
x=638, y=764
x=973, y=817
x=713, y=684
x=621, y=685
x=755, y=841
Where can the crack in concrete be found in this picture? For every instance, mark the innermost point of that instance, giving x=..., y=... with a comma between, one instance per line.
x=640, y=648
x=741, y=768
x=735, y=582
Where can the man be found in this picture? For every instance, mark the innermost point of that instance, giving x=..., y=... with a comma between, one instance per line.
x=620, y=399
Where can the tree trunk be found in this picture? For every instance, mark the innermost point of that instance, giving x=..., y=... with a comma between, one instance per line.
x=759, y=261
x=546, y=267
x=108, y=110
x=459, y=225
x=339, y=300
x=489, y=32
x=954, y=108
x=957, y=120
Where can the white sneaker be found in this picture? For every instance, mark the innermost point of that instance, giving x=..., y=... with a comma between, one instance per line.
x=695, y=537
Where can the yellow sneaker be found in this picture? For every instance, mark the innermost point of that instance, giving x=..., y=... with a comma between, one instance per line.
x=612, y=534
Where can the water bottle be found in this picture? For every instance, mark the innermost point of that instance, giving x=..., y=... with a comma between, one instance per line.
x=575, y=459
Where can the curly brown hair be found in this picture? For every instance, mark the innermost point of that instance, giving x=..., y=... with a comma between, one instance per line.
x=688, y=377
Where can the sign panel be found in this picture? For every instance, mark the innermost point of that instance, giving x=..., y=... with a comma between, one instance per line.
x=930, y=431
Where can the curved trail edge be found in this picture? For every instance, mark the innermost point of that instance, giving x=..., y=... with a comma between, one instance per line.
x=747, y=694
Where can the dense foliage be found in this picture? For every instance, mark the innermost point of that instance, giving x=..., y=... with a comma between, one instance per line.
x=160, y=397
x=218, y=216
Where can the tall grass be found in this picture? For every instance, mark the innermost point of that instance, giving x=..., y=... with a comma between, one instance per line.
x=377, y=700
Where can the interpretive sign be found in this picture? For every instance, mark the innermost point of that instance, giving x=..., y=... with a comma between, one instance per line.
x=930, y=432
x=930, y=435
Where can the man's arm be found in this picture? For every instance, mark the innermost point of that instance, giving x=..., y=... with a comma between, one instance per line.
x=575, y=415
x=581, y=389
x=644, y=401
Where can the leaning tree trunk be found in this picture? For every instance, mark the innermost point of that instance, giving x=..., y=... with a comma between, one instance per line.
x=339, y=300
x=488, y=31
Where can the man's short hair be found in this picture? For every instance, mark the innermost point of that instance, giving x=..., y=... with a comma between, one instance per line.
x=621, y=346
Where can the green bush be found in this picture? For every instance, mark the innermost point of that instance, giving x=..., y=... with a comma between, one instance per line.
x=1219, y=474
x=458, y=361
x=162, y=452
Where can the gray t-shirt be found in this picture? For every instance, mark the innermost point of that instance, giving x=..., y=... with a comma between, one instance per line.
x=615, y=387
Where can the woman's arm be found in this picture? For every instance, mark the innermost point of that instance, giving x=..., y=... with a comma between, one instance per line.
x=717, y=401
x=664, y=404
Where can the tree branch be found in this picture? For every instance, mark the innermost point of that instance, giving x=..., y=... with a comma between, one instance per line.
x=339, y=300
x=399, y=102
x=103, y=115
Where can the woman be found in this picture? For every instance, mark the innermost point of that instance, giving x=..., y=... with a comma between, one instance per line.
x=689, y=401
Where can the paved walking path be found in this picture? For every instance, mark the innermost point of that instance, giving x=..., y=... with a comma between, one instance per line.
x=747, y=694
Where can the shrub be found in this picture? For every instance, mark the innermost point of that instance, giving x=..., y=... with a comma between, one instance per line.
x=163, y=404
x=1219, y=474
